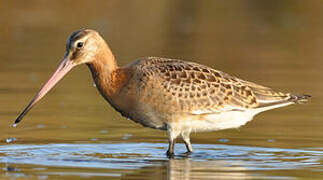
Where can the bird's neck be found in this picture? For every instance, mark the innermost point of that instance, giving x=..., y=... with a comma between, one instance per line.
x=108, y=77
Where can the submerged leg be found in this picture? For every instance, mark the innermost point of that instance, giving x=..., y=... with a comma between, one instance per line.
x=186, y=138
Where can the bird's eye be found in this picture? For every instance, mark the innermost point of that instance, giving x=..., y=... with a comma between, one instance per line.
x=79, y=45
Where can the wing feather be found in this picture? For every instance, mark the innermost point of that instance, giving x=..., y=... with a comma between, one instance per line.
x=199, y=89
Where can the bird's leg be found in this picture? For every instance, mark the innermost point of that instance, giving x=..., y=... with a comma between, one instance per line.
x=172, y=139
x=171, y=146
x=188, y=145
x=186, y=138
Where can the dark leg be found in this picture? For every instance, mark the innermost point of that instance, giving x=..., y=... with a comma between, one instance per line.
x=171, y=146
x=172, y=139
x=186, y=138
x=188, y=145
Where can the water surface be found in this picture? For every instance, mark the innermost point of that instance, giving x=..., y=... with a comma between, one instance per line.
x=74, y=133
x=147, y=160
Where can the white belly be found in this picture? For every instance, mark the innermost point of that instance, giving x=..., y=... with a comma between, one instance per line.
x=224, y=120
x=218, y=121
x=213, y=121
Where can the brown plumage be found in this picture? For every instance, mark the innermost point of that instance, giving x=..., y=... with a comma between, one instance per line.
x=167, y=94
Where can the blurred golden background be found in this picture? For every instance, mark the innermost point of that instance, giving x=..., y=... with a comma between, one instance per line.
x=273, y=43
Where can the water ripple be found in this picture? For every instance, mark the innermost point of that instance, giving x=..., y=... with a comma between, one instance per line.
x=206, y=159
x=136, y=155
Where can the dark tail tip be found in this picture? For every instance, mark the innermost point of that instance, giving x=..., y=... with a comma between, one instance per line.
x=300, y=98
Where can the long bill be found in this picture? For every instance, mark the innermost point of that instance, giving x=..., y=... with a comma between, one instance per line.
x=63, y=68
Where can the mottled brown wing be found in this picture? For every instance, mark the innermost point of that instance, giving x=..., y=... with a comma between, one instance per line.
x=200, y=89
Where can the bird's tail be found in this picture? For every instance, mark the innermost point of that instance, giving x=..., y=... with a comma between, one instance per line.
x=299, y=98
x=289, y=99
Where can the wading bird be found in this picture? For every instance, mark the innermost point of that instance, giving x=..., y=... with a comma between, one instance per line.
x=168, y=94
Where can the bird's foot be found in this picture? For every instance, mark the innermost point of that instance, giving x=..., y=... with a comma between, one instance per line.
x=170, y=154
x=188, y=152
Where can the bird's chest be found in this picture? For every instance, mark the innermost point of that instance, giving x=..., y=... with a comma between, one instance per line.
x=137, y=105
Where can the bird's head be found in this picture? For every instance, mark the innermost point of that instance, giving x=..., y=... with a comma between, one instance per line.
x=83, y=47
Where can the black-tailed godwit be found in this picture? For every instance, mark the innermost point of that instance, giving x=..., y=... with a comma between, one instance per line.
x=168, y=94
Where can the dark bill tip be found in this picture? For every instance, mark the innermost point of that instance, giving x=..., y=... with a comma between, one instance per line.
x=64, y=67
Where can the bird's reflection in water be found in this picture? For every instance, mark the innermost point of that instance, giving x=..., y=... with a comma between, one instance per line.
x=188, y=169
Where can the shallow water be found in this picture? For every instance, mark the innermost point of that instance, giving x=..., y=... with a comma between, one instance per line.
x=144, y=160
x=74, y=133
